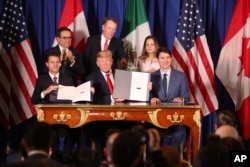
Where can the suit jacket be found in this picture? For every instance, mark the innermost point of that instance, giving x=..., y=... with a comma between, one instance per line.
x=102, y=93
x=76, y=69
x=36, y=160
x=44, y=81
x=93, y=46
x=178, y=86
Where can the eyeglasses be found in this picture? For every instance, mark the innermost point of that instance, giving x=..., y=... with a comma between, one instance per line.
x=66, y=38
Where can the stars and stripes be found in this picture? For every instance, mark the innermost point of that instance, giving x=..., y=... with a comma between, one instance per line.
x=192, y=56
x=18, y=69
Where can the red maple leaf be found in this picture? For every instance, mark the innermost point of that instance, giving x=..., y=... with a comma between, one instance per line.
x=245, y=57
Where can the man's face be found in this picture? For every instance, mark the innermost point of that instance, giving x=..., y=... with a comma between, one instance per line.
x=104, y=63
x=109, y=29
x=53, y=64
x=165, y=61
x=65, y=39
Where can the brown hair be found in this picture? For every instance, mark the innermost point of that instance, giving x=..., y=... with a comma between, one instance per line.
x=144, y=54
x=107, y=19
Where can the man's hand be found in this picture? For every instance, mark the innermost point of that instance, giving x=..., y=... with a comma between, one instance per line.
x=70, y=56
x=120, y=99
x=178, y=100
x=50, y=89
x=154, y=101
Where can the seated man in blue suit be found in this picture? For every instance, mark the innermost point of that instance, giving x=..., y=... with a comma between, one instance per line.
x=172, y=89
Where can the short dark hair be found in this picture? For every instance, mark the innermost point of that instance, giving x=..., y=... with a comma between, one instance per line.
x=126, y=149
x=38, y=136
x=226, y=117
x=164, y=50
x=59, y=30
x=104, y=21
x=214, y=153
x=51, y=53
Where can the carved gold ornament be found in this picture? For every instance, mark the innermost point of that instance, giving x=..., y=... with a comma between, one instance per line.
x=118, y=115
x=62, y=117
x=175, y=118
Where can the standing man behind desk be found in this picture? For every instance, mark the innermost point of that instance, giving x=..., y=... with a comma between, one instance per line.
x=105, y=41
x=71, y=58
x=172, y=89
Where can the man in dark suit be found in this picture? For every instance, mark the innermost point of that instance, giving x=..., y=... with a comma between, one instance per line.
x=105, y=41
x=71, y=58
x=102, y=95
x=45, y=84
x=37, y=143
x=45, y=91
x=172, y=89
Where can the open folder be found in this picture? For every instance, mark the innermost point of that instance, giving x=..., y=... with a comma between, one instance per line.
x=131, y=85
x=75, y=94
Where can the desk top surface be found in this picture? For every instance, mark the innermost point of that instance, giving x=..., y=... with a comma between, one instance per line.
x=122, y=105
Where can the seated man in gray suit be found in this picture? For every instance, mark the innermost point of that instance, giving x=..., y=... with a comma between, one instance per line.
x=169, y=86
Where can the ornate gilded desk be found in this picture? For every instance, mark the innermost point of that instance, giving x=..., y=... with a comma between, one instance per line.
x=162, y=116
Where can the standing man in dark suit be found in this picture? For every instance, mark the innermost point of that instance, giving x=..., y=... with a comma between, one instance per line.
x=172, y=89
x=71, y=58
x=45, y=91
x=105, y=41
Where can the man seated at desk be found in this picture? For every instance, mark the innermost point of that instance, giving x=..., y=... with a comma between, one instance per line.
x=103, y=81
x=169, y=86
x=46, y=91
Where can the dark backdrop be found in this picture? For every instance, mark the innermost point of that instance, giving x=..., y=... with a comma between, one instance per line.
x=43, y=17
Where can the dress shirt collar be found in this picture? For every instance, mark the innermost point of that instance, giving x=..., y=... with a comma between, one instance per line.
x=52, y=76
x=61, y=48
x=168, y=73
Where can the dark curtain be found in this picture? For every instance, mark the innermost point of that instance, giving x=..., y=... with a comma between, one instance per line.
x=43, y=17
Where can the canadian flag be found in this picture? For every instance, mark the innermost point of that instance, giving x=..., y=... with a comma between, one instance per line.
x=73, y=17
x=233, y=68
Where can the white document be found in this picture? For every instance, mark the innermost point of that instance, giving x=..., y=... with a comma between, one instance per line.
x=131, y=85
x=79, y=93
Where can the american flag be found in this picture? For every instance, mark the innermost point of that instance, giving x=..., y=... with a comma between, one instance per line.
x=192, y=56
x=18, y=69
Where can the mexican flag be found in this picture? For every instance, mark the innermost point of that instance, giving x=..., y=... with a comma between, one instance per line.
x=135, y=27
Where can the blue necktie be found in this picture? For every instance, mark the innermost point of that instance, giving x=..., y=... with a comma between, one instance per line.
x=164, y=81
x=53, y=94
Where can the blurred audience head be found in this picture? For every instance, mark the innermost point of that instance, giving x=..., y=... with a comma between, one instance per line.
x=225, y=117
x=127, y=149
x=172, y=156
x=38, y=137
x=213, y=154
x=87, y=157
x=227, y=131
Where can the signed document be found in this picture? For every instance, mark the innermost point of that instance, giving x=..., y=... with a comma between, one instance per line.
x=79, y=93
x=131, y=85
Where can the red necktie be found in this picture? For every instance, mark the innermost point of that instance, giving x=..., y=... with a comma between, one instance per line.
x=110, y=85
x=55, y=80
x=106, y=45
